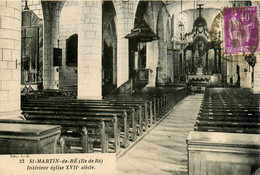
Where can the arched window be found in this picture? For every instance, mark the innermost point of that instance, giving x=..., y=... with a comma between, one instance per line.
x=72, y=50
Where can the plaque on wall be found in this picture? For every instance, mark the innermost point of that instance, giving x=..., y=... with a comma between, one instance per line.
x=57, y=57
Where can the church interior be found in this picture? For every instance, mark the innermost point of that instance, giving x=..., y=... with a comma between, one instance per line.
x=125, y=76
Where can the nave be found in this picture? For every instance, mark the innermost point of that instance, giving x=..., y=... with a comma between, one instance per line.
x=163, y=150
x=88, y=126
x=162, y=130
x=99, y=76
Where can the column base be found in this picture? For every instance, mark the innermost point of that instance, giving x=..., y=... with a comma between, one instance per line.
x=256, y=90
x=151, y=84
x=161, y=84
x=12, y=115
x=89, y=97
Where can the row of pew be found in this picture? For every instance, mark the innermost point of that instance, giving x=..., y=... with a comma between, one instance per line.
x=105, y=125
x=230, y=110
x=226, y=137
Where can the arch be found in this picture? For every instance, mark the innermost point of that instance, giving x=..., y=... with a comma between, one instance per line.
x=217, y=27
x=109, y=47
x=162, y=20
x=72, y=50
x=31, y=49
x=141, y=11
x=109, y=13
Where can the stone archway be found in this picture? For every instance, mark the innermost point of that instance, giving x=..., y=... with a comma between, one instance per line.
x=109, y=48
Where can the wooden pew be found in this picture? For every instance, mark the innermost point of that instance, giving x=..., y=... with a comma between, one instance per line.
x=108, y=122
x=237, y=113
x=136, y=115
x=74, y=133
x=224, y=117
x=131, y=113
x=146, y=105
x=122, y=115
x=227, y=110
x=128, y=114
x=227, y=126
x=82, y=103
x=29, y=139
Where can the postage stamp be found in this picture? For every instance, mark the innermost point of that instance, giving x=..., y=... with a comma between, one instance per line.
x=241, y=30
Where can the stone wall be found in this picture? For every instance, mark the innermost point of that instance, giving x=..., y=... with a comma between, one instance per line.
x=68, y=26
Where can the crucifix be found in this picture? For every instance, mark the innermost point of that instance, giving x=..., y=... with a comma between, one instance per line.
x=200, y=8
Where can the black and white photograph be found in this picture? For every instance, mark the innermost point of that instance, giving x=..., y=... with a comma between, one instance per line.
x=129, y=87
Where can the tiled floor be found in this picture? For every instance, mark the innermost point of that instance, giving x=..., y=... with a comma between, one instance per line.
x=163, y=150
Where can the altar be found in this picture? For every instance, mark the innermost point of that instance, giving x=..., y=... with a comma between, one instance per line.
x=203, y=69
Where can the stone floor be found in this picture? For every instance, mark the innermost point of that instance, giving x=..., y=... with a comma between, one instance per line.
x=163, y=150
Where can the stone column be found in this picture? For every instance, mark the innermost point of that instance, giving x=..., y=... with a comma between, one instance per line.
x=124, y=24
x=51, y=12
x=90, y=50
x=192, y=64
x=151, y=61
x=207, y=62
x=257, y=65
x=170, y=61
x=181, y=62
x=185, y=62
x=219, y=60
x=257, y=74
x=10, y=59
x=215, y=61
x=163, y=61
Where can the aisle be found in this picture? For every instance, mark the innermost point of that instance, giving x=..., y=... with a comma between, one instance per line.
x=163, y=150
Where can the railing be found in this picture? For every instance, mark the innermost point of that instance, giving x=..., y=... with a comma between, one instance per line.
x=138, y=81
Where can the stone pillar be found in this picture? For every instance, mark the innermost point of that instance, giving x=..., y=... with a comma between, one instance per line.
x=257, y=65
x=163, y=61
x=192, y=64
x=219, y=60
x=257, y=74
x=51, y=12
x=90, y=50
x=114, y=60
x=207, y=62
x=170, y=63
x=185, y=62
x=10, y=59
x=215, y=61
x=181, y=62
x=151, y=61
x=124, y=24
x=245, y=77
